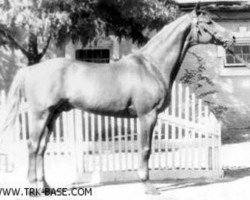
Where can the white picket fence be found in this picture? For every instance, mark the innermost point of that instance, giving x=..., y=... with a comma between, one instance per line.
x=186, y=143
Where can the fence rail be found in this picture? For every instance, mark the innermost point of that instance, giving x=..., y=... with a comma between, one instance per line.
x=186, y=141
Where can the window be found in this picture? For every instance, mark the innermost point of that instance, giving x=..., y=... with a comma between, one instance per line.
x=230, y=66
x=243, y=51
x=93, y=55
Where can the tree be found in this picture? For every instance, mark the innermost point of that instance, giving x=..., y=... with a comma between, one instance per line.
x=132, y=19
x=29, y=25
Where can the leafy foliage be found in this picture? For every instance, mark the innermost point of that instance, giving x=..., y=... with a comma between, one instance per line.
x=130, y=18
x=31, y=24
x=196, y=77
x=203, y=86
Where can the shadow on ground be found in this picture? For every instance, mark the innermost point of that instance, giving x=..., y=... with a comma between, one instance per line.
x=229, y=176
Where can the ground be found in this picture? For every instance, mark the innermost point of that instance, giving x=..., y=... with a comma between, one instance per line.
x=234, y=186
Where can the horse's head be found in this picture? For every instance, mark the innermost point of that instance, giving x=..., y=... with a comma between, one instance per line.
x=204, y=30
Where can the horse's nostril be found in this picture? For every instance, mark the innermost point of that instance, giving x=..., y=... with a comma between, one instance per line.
x=234, y=38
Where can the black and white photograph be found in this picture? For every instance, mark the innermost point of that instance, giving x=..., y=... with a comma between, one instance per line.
x=125, y=99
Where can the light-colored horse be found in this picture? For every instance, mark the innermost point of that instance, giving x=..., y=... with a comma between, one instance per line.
x=138, y=85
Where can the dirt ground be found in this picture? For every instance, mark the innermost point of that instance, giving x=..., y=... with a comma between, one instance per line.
x=234, y=186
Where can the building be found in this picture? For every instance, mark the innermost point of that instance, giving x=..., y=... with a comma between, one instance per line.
x=231, y=78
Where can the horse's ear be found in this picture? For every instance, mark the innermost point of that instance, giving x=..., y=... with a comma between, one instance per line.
x=198, y=8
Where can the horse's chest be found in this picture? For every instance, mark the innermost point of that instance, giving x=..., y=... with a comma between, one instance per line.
x=152, y=97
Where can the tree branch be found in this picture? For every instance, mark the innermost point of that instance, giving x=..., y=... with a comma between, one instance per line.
x=13, y=40
x=45, y=47
x=26, y=53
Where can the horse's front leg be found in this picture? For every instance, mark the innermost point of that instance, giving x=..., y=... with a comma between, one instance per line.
x=147, y=126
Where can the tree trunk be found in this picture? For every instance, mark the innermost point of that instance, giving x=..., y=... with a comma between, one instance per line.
x=33, y=57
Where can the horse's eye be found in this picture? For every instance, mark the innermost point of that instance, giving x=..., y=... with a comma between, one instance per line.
x=209, y=22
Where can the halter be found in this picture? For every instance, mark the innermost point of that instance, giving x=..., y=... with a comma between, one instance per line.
x=217, y=39
x=208, y=30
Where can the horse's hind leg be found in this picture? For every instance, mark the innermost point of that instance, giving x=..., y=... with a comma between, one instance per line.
x=40, y=171
x=41, y=180
x=38, y=129
x=147, y=126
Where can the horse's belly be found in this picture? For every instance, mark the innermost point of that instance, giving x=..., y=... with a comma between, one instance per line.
x=112, y=103
x=110, y=108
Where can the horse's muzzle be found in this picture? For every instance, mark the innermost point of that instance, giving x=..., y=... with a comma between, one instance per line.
x=228, y=44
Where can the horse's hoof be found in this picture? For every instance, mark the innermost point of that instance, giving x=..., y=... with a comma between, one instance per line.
x=46, y=185
x=42, y=185
x=150, y=189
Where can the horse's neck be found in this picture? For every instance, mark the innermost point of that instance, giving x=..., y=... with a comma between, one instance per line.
x=167, y=49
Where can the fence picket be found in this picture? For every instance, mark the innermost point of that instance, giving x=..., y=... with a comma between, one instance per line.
x=166, y=144
x=106, y=127
x=187, y=117
x=180, y=103
x=200, y=135
x=173, y=108
x=133, y=147
x=193, y=132
x=119, y=141
x=126, y=142
x=138, y=133
x=93, y=152
x=99, y=142
x=159, y=143
x=207, y=148
x=113, y=141
x=87, y=140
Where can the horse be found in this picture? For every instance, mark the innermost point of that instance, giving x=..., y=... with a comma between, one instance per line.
x=138, y=85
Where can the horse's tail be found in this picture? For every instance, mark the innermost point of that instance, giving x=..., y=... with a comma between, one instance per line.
x=12, y=106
